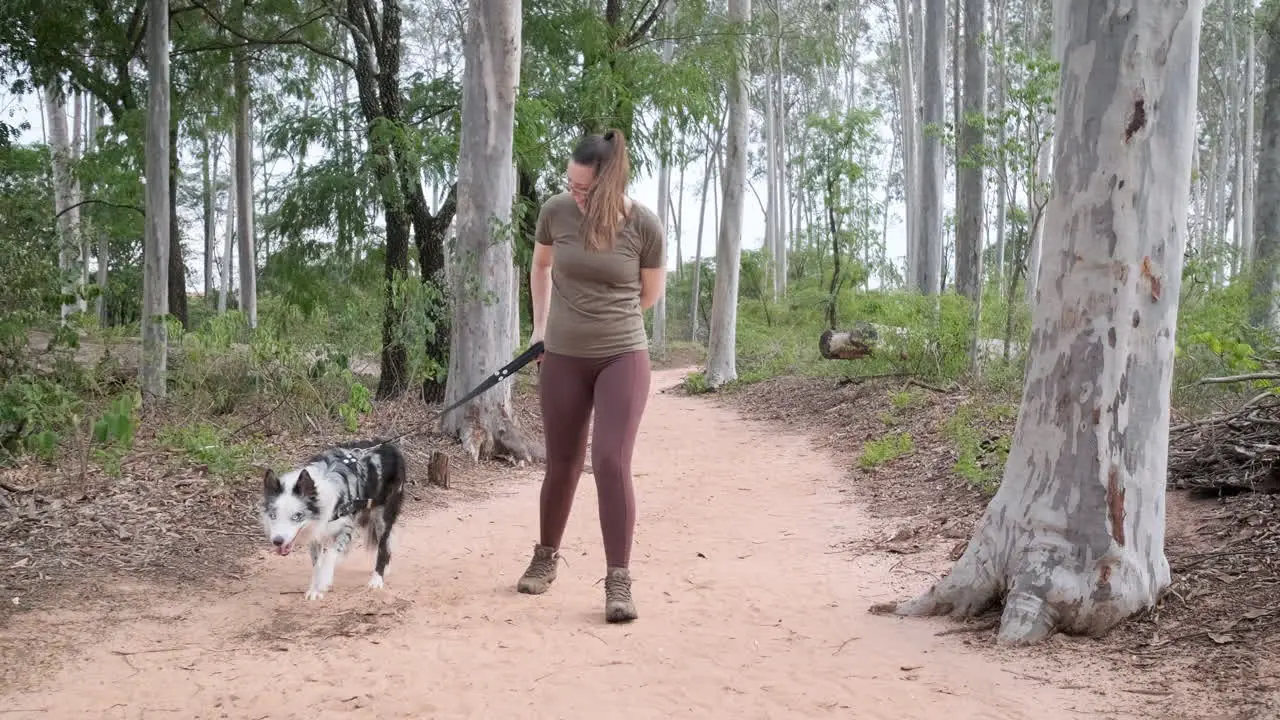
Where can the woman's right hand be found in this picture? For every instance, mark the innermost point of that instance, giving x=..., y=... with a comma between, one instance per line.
x=534, y=338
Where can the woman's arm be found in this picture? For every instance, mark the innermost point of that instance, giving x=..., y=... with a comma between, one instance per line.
x=540, y=288
x=653, y=262
x=652, y=282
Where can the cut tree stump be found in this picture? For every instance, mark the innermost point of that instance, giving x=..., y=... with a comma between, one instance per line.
x=438, y=470
x=852, y=344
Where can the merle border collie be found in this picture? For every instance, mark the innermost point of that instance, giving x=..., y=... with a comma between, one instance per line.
x=358, y=485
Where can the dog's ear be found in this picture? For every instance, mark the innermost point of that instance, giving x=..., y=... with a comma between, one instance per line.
x=271, y=482
x=306, y=486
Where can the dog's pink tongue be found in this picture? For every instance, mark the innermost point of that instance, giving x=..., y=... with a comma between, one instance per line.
x=284, y=549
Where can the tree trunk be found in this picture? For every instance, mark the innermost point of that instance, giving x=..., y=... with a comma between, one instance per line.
x=970, y=173
x=244, y=192
x=228, y=248
x=63, y=196
x=659, y=340
x=208, y=171
x=695, y=295
x=1264, y=310
x=910, y=139
x=1002, y=171
x=484, y=264
x=177, y=265
x=928, y=277
x=722, y=344
x=153, y=368
x=1246, y=152
x=1075, y=534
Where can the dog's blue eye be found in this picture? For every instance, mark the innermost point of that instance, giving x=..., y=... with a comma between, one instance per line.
x=297, y=517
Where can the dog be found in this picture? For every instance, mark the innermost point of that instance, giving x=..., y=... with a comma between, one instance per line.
x=351, y=486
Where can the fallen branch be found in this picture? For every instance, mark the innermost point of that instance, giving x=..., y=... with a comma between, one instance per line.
x=15, y=489
x=1247, y=377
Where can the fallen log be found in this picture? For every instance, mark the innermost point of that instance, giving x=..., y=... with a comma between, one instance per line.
x=853, y=344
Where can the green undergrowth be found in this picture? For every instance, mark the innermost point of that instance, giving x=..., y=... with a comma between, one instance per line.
x=980, y=432
x=885, y=449
x=227, y=384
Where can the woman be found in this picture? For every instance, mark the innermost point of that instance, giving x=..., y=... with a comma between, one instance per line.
x=597, y=264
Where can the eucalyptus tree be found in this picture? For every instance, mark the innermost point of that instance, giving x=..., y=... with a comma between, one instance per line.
x=1074, y=538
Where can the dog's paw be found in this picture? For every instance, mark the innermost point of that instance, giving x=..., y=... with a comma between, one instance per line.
x=375, y=582
x=313, y=594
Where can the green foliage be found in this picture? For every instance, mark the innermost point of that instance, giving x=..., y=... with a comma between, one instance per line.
x=979, y=435
x=886, y=449
x=203, y=444
x=34, y=412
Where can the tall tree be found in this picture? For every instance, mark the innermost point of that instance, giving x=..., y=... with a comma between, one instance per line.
x=1075, y=534
x=153, y=369
x=722, y=344
x=1265, y=310
x=928, y=275
x=970, y=170
x=484, y=266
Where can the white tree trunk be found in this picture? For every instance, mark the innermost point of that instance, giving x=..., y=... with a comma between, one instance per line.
x=154, y=365
x=228, y=248
x=244, y=188
x=910, y=138
x=63, y=195
x=1037, y=199
x=1075, y=534
x=722, y=361
x=82, y=237
x=659, y=339
x=484, y=269
x=928, y=276
x=771, y=182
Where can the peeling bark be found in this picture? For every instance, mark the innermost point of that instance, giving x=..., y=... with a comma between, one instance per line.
x=1074, y=538
x=483, y=264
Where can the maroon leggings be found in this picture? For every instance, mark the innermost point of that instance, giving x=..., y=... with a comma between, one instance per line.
x=617, y=388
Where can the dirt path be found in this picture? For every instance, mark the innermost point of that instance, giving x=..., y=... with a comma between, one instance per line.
x=745, y=611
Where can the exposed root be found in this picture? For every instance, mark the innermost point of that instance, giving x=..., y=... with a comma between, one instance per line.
x=971, y=588
x=499, y=437
x=1028, y=617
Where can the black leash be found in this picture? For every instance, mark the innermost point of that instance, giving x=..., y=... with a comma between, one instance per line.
x=503, y=373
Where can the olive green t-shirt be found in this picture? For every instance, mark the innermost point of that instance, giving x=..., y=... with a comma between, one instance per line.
x=595, y=295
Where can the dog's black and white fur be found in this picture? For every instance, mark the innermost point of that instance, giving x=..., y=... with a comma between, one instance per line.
x=352, y=485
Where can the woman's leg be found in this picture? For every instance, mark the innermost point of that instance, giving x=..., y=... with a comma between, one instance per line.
x=621, y=392
x=565, y=392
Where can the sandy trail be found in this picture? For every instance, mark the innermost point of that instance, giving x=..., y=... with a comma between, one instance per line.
x=745, y=612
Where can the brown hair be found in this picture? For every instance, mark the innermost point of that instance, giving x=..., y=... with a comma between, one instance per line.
x=606, y=203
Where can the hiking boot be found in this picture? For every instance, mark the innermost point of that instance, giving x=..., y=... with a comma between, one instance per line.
x=618, y=605
x=541, y=571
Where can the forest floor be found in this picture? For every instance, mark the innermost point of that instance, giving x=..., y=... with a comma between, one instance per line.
x=759, y=547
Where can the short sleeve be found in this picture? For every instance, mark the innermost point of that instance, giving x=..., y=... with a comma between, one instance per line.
x=542, y=231
x=653, y=245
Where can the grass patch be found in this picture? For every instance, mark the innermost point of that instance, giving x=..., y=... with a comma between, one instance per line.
x=202, y=443
x=890, y=447
x=979, y=433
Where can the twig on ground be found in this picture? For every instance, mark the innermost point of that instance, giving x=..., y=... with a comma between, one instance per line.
x=846, y=642
x=15, y=489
